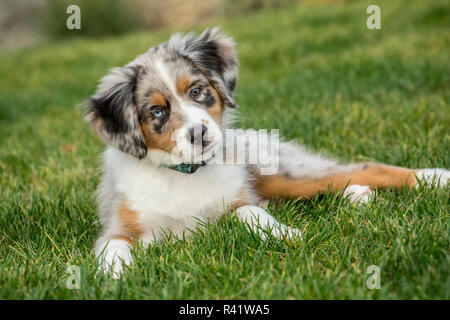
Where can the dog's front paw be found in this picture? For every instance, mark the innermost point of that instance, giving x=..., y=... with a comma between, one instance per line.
x=112, y=255
x=358, y=193
x=435, y=175
x=292, y=233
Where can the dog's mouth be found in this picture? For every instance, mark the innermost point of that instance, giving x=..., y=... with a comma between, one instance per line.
x=192, y=167
x=205, y=154
x=206, y=150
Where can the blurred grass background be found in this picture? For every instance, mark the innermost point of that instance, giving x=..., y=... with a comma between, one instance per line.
x=28, y=22
x=312, y=70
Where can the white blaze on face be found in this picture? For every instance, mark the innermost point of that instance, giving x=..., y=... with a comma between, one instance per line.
x=195, y=116
x=188, y=152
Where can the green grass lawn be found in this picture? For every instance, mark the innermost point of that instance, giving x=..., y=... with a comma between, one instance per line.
x=316, y=73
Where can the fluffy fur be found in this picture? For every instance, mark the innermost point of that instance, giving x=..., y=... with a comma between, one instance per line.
x=172, y=105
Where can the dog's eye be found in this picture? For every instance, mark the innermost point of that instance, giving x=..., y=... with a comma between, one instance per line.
x=195, y=92
x=158, y=112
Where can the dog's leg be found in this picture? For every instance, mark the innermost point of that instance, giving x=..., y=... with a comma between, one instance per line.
x=112, y=253
x=376, y=176
x=261, y=221
x=433, y=175
x=358, y=193
x=303, y=175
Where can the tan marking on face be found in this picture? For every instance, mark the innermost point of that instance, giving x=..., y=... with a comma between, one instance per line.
x=182, y=84
x=129, y=219
x=162, y=141
x=375, y=175
x=216, y=110
x=157, y=99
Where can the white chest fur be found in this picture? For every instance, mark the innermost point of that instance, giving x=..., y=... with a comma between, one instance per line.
x=164, y=198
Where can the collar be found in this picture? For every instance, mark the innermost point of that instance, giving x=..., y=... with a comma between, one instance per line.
x=185, y=167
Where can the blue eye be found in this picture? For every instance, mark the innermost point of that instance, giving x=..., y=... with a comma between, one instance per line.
x=158, y=112
x=195, y=92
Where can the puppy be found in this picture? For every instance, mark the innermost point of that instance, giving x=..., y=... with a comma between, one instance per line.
x=164, y=118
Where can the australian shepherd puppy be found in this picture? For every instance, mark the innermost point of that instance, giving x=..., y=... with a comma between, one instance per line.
x=164, y=116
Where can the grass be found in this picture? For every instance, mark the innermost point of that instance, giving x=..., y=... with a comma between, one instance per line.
x=317, y=73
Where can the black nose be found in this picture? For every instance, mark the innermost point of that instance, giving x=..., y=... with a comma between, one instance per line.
x=196, y=135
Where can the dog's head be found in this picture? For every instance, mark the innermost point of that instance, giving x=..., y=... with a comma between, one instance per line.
x=167, y=105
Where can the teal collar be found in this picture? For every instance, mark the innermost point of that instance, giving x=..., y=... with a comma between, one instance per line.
x=185, y=167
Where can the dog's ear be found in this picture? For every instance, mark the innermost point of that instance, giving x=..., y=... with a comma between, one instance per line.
x=215, y=54
x=112, y=113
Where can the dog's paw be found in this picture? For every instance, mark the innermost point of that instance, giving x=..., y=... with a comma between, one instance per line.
x=291, y=233
x=435, y=175
x=114, y=254
x=358, y=193
x=263, y=203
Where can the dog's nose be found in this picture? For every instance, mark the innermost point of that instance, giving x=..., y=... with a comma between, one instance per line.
x=196, y=135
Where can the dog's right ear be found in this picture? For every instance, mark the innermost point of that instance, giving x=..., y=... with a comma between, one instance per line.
x=112, y=113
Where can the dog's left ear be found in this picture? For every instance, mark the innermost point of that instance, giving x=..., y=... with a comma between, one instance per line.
x=215, y=54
